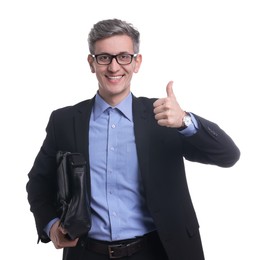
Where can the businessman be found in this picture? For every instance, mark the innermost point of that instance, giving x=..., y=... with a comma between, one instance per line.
x=135, y=149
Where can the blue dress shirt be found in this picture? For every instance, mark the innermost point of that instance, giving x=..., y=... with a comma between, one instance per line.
x=119, y=209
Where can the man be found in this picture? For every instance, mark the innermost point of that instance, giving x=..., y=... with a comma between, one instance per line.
x=134, y=147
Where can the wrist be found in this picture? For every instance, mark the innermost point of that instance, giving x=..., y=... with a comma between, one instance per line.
x=186, y=121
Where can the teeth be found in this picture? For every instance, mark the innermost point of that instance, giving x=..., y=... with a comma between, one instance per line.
x=116, y=77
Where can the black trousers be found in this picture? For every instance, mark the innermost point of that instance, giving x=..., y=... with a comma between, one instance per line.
x=152, y=251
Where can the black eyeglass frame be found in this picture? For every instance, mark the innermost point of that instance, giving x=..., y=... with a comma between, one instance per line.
x=114, y=57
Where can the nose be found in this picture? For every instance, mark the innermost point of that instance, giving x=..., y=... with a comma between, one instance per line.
x=113, y=66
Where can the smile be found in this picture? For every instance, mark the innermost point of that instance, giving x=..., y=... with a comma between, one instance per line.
x=114, y=78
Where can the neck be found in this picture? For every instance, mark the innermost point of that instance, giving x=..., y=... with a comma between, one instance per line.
x=113, y=100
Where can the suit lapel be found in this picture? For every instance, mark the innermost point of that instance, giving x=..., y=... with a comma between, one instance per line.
x=81, y=125
x=142, y=133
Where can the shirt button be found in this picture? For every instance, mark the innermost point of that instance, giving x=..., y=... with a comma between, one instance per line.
x=113, y=126
x=112, y=148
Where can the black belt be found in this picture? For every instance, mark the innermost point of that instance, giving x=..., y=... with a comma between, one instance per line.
x=117, y=249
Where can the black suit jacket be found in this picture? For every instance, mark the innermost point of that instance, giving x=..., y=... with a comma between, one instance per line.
x=161, y=152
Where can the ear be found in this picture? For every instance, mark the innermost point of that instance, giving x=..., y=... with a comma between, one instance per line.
x=90, y=60
x=138, y=61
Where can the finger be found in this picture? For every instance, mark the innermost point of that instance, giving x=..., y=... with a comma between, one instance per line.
x=169, y=89
x=69, y=243
x=162, y=122
x=159, y=102
x=62, y=230
x=170, y=93
x=61, y=241
x=160, y=116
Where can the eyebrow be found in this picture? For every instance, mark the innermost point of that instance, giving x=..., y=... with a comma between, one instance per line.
x=106, y=53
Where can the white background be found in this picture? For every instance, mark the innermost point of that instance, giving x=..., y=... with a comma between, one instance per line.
x=206, y=47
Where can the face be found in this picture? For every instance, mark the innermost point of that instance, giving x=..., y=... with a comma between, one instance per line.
x=114, y=79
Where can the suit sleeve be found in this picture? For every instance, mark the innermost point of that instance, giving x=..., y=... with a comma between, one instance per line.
x=41, y=186
x=210, y=145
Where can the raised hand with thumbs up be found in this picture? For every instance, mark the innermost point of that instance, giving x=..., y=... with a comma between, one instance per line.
x=167, y=110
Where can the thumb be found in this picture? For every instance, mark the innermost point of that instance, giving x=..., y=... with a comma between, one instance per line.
x=62, y=230
x=169, y=89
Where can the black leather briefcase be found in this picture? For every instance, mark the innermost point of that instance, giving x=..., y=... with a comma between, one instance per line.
x=72, y=196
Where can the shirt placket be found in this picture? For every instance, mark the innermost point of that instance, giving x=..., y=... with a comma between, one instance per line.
x=112, y=174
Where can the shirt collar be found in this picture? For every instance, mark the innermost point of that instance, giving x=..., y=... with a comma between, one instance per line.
x=125, y=106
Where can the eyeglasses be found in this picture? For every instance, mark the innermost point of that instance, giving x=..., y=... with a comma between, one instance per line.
x=122, y=59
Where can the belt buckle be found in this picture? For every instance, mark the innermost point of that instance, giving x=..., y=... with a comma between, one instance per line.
x=111, y=251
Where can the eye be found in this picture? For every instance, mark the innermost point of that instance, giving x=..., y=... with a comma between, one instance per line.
x=104, y=58
x=124, y=57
